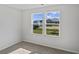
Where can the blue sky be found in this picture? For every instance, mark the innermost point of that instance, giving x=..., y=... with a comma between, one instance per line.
x=38, y=16
x=50, y=15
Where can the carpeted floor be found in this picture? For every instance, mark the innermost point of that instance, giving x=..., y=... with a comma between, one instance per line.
x=30, y=48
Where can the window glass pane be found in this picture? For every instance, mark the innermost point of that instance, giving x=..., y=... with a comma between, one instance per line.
x=37, y=22
x=52, y=23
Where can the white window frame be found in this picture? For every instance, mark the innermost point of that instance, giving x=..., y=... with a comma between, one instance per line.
x=32, y=23
x=44, y=24
x=59, y=23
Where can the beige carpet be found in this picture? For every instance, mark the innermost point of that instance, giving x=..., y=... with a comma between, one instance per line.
x=30, y=48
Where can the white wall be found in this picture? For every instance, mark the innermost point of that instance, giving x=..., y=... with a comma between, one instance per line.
x=10, y=26
x=69, y=29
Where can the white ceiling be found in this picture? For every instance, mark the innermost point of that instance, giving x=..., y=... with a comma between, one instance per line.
x=25, y=6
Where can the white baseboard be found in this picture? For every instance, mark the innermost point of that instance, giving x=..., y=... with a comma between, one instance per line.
x=75, y=52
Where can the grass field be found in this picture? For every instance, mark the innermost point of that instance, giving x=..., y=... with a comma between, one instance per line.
x=37, y=30
x=53, y=30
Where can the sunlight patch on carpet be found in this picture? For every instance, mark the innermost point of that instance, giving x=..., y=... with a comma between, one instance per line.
x=20, y=51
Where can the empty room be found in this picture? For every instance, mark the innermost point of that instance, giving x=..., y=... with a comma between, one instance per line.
x=39, y=28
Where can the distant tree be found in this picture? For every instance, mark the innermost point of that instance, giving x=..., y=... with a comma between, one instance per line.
x=35, y=26
x=54, y=20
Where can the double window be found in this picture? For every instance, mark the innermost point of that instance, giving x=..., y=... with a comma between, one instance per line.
x=46, y=23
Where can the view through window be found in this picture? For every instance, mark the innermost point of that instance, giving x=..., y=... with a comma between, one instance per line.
x=37, y=22
x=52, y=23
x=51, y=20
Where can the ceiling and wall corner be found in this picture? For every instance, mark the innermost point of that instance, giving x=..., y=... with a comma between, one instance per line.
x=25, y=6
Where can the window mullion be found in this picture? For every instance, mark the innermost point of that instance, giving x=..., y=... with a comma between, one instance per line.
x=44, y=25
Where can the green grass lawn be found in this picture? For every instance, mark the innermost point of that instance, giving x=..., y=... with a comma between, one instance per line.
x=48, y=31
x=38, y=30
x=52, y=32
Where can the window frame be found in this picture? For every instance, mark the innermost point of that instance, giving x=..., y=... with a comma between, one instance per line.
x=44, y=25
x=32, y=23
x=59, y=23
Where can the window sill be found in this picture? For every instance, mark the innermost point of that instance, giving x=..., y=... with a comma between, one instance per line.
x=54, y=36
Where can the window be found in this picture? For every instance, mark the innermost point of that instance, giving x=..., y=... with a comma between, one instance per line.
x=50, y=23
x=37, y=22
